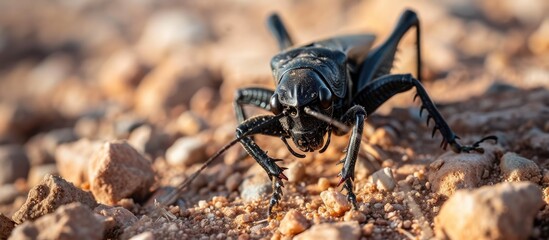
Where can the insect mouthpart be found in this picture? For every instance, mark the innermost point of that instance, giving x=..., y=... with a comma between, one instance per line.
x=308, y=141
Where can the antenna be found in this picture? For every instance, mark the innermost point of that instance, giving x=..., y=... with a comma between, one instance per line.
x=328, y=119
x=170, y=198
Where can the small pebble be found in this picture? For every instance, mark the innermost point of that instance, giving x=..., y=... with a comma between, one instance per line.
x=186, y=151
x=143, y=236
x=202, y=204
x=406, y=224
x=335, y=201
x=398, y=207
x=515, y=168
x=384, y=179
x=378, y=205
x=388, y=207
x=419, y=174
x=117, y=218
x=354, y=215
x=243, y=218
x=295, y=172
x=190, y=124
x=381, y=221
x=293, y=223
x=427, y=185
x=368, y=229
x=323, y=183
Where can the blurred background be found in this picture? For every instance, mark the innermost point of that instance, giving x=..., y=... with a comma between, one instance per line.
x=73, y=63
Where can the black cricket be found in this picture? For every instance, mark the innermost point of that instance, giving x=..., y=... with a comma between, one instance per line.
x=326, y=87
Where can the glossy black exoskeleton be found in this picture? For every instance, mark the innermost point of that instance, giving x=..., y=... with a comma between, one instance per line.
x=326, y=87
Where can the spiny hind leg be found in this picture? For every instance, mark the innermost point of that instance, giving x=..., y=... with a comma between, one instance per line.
x=274, y=171
x=380, y=90
x=353, y=117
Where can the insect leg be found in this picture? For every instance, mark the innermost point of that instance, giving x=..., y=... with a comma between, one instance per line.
x=379, y=91
x=171, y=197
x=268, y=163
x=277, y=28
x=380, y=60
x=354, y=116
x=258, y=97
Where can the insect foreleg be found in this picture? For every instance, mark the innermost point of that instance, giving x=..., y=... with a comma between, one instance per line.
x=260, y=156
x=353, y=117
x=172, y=196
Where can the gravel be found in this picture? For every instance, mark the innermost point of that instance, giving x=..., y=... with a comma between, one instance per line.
x=336, y=202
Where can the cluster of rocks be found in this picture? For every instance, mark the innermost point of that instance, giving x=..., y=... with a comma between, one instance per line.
x=482, y=204
x=495, y=210
x=115, y=172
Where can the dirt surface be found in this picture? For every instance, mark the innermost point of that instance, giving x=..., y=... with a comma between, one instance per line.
x=158, y=79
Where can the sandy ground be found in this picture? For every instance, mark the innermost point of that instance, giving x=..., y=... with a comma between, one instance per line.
x=155, y=73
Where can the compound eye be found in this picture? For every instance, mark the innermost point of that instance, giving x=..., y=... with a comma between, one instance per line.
x=326, y=97
x=276, y=107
